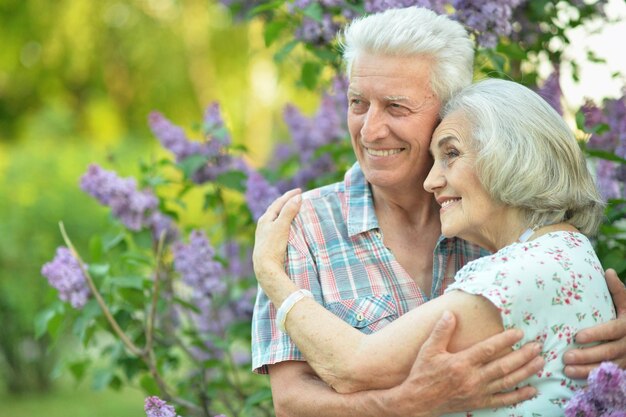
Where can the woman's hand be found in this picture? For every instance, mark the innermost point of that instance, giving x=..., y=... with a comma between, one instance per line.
x=270, y=246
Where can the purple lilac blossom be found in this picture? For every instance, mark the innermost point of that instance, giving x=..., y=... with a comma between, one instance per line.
x=65, y=274
x=128, y=204
x=156, y=407
x=259, y=194
x=489, y=18
x=317, y=32
x=607, y=385
x=375, y=6
x=308, y=134
x=606, y=178
x=214, y=148
x=195, y=263
x=604, y=396
x=160, y=223
x=551, y=91
x=237, y=268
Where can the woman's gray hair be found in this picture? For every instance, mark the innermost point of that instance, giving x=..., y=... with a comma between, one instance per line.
x=527, y=156
x=418, y=32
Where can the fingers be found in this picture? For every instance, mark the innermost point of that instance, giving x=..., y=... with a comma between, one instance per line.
x=579, y=371
x=513, y=370
x=612, y=330
x=488, y=349
x=510, y=398
x=440, y=336
x=618, y=291
x=596, y=354
x=277, y=205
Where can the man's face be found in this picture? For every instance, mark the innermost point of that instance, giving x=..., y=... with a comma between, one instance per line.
x=391, y=117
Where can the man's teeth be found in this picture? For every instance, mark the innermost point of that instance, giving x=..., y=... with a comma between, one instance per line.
x=448, y=202
x=383, y=152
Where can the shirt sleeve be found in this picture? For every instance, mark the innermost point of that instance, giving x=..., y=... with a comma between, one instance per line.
x=270, y=345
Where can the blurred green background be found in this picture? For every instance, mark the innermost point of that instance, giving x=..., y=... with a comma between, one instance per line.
x=78, y=79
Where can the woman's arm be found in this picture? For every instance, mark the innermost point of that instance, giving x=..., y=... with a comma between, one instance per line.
x=342, y=356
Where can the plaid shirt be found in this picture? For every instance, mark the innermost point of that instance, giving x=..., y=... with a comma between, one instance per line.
x=336, y=251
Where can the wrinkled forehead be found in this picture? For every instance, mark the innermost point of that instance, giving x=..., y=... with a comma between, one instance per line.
x=454, y=127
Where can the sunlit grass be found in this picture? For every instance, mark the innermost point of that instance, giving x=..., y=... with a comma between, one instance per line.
x=70, y=401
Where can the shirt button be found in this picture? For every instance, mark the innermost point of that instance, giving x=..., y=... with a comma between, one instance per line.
x=360, y=317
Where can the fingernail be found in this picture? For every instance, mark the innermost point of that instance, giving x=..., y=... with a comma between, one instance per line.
x=568, y=357
x=537, y=348
x=296, y=198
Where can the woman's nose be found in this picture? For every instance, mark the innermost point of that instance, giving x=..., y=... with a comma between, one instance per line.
x=435, y=179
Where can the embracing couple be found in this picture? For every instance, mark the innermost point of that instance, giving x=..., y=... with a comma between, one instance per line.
x=451, y=270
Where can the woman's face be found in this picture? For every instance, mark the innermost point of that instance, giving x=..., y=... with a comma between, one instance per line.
x=467, y=210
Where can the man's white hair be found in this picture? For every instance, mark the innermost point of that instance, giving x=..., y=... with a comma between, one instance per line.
x=415, y=32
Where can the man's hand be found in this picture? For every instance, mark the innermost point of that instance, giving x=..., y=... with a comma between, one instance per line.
x=467, y=380
x=579, y=362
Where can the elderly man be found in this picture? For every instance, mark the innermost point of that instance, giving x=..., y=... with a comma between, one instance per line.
x=376, y=251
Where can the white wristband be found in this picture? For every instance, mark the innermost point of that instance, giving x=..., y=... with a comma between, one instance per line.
x=287, y=305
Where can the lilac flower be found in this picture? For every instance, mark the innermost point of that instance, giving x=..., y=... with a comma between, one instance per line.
x=317, y=32
x=375, y=6
x=214, y=148
x=172, y=137
x=156, y=407
x=326, y=126
x=604, y=396
x=237, y=269
x=551, y=91
x=607, y=385
x=259, y=194
x=159, y=223
x=195, y=263
x=606, y=178
x=65, y=274
x=128, y=204
x=489, y=18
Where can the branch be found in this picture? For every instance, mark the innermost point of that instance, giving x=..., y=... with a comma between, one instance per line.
x=105, y=310
x=155, y=296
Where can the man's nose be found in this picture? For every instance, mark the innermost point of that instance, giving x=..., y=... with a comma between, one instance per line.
x=374, y=125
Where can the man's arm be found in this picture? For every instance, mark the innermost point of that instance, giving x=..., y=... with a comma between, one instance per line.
x=439, y=382
x=579, y=362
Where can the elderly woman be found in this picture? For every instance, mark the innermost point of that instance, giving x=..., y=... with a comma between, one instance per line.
x=508, y=175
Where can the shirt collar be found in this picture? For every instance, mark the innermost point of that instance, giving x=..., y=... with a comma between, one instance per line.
x=360, y=202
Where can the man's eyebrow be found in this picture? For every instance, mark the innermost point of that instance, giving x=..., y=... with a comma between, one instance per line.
x=397, y=98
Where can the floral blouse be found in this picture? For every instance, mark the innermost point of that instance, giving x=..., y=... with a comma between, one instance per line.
x=549, y=287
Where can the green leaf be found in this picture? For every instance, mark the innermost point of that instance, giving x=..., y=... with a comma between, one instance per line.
x=102, y=378
x=149, y=385
x=609, y=156
x=310, y=74
x=78, y=369
x=49, y=320
x=130, y=281
x=262, y=395
x=314, y=11
x=191, y=164
x=615, y=259
x=232, y=179
x=96, y=248
x=265, y=7
x=273, y=30
x=98, y=270
x=285, y=50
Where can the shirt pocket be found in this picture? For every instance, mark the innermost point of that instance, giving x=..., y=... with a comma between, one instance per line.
x=367, y=314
